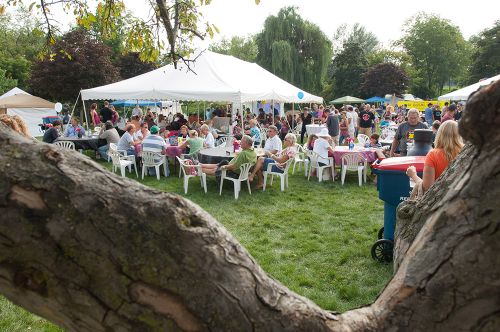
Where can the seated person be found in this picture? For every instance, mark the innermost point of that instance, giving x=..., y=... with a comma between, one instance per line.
x=209, y=141
x=322, y=146
x=273, y=143
x=310, y=142
x=246, y=155
x=254, y=132
x=52, y=133
x=110, y=134
x=386, y=122
x=194, y=143
x=278, y=159
x=183, y=132
x=126, y=142
x=374, y=143
x=154, y=143
x=448, y=145
x=74, y=129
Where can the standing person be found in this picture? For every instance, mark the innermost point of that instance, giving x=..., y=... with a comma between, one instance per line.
x=106, y=112
x=405, y=132
x=137, y=111
x=458, y=114
x=448, y=145
x=350, y=120
x=450, y=114
x=366, y=120
x=110, y=134
x=344, y=127
x=115, y=116
x=428, y=114
x=96, y=119
x=436, y=114
x=52, y=133
x=306, y=118
x=332, y=123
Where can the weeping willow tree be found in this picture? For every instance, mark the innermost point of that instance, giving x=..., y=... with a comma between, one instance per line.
x=294, y=49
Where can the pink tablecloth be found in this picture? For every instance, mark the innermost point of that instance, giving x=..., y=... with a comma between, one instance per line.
x=370, y=155
x=173, y=151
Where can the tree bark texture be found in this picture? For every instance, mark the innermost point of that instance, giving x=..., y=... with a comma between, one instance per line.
x=91, y=251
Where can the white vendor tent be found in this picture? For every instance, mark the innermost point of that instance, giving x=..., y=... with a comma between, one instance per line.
x=214, y=77
x=463, y=94
x=30, y=108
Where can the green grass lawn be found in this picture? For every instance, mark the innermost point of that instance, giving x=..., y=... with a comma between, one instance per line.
x=315, y=238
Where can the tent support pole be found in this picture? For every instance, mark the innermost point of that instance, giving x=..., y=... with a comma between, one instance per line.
x=76, y=101
x=205, y=111
x=272, y=109
x=85, y=114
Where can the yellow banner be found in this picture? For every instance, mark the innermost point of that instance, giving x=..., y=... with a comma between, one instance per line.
x=420, y=105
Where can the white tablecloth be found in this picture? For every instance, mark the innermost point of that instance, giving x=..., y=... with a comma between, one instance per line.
x=314, y=129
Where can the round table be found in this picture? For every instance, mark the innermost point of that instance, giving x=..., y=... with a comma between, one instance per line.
x=369, y=154
x=215, y=155
x=312, y=129
x=84, y=143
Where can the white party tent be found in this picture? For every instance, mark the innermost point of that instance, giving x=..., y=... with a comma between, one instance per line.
x=214, y=77
x=463, y=94
x=30, y=108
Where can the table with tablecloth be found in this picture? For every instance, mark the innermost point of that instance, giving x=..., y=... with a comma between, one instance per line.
x=218, y=154
x=369, y=154
x=314, y=129
x=84, y=143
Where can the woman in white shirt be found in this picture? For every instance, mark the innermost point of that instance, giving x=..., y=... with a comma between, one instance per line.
x=209, y=141
x=322, y=146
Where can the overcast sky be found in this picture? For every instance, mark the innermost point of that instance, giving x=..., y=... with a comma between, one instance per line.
x=384, y=18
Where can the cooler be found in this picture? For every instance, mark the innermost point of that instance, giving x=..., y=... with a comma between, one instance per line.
x=393, y=187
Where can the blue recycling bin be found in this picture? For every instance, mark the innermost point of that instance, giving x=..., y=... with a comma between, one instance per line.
x=393, y=187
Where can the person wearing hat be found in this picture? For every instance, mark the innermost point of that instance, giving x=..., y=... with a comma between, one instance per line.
x=110, y=134
x=154, y=143
x=273, y=143
x=322, y=146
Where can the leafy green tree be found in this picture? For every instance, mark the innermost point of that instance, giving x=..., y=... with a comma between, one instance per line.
x=348, y=68
x=384, y=78
x=486, y=54
x=130, y=65
x=294, y=49
x=356, y=34
x=243, y=48
x=6, y=83
x=438, y=53
x=77, y=61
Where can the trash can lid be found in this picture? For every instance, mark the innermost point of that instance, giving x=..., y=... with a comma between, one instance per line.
x=401, y=163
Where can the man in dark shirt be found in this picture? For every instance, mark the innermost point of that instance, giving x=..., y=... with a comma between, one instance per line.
x=106, y=112
x=52, y=133
x=436, y=114
x=306, y=120
x=366, y=119
x=332, y=123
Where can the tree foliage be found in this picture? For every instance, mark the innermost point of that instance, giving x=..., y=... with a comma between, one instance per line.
x=294, y=49
x=131, y=65
x=486, y=54
x=6, y=83
x=243, y=48
x=355, y=34
x=348, y=68
x=77, y=61
x=438, y=52
x=384, y=78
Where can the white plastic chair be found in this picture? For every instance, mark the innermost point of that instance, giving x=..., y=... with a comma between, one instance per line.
x=363, y=139
x=244, y=170
x=283, y=176
x=354, y=162
x=186, y=169
x=122, y=162
x=153, y=159
x=65, y=145
x=300, y=158
x=314, y=164
x=221, y=141
x=263, y=136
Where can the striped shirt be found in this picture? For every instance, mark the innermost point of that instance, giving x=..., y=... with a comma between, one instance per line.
x=154, y=143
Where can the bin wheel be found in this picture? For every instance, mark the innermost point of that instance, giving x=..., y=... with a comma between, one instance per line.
x=382, y=250
x=381, y=233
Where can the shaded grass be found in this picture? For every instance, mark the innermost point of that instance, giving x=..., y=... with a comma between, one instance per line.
x=315, y=238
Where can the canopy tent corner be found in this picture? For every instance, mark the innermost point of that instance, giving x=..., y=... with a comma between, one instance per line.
x=464, y=93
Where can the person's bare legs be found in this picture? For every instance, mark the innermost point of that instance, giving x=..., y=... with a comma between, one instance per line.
x=209, y=169
x=256, y=168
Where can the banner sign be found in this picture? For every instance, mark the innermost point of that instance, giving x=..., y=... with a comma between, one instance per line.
x=420, y=105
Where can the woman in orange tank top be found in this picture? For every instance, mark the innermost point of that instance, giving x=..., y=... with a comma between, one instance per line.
x=447, y=146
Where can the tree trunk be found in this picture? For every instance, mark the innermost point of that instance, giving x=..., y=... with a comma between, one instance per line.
x=91, y=251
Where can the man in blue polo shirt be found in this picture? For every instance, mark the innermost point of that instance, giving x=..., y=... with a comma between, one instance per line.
x=428, y=114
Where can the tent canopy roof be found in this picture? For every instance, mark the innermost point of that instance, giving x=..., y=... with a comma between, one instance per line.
x=347, y=100
x=463, y=94
x=132, y=102
x=25, y=101
x=214, y=77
